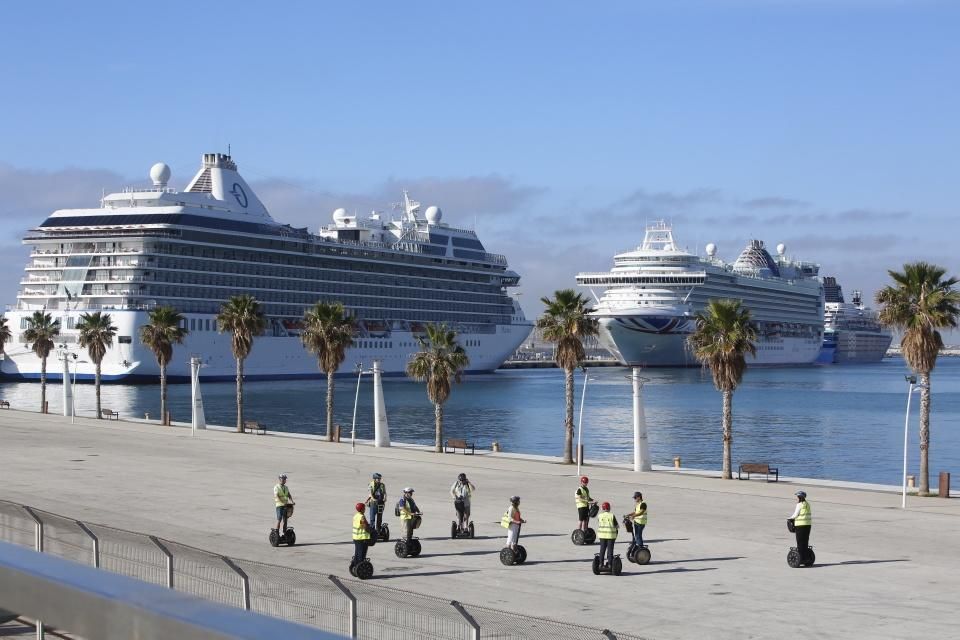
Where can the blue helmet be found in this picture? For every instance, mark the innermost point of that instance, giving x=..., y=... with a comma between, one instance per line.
x=377, y=476
x=801, y=494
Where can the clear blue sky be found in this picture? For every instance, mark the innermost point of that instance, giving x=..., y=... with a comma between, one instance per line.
x=557, y=128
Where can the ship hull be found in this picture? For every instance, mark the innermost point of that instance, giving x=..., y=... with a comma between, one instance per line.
x=272, y=357
x=858, y=347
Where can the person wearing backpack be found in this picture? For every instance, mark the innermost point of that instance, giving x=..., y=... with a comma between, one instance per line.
x=461, y=491
x=511, y=521
x=408, y=511
x=375, y=502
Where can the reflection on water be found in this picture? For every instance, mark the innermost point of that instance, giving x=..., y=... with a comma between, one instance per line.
x=828, y=422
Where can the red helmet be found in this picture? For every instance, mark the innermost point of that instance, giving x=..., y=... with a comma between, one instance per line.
x=605, y=506
x=584, y=479
x=360, y=507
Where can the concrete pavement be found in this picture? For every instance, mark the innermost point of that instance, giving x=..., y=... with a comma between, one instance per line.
x=719, y=547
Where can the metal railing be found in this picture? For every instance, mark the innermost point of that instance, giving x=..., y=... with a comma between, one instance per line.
x=352, y=608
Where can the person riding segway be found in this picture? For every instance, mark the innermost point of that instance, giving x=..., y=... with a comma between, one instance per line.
x=410, y=519
x=514, y=552
x=800, y=524
x=375, y=502
x=586, y=509
x=360, y=567
x=607, y=530
x=283, y=501
x=635, y=523
x=462, y=490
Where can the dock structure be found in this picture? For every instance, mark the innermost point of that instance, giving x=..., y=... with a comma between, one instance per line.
x=719, y=547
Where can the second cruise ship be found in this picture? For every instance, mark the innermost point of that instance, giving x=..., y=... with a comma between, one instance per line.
x=651, y=296
x=194, y=249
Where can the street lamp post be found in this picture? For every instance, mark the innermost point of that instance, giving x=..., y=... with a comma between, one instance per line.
x=356, y=400
x=583, y=397
x=912, y=380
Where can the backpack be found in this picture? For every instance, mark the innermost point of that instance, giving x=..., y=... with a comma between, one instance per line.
x=396, y=509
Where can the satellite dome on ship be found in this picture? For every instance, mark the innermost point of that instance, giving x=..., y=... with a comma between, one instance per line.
x=755, y=258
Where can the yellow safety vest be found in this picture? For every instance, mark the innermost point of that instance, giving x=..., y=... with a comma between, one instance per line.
x=359, y=531
x=378, y=487
x=507, y=518
x=281, y=495
x=641, y=511
x=606, y=529
x=582, y=497
x=405, y=513
x=804, y=518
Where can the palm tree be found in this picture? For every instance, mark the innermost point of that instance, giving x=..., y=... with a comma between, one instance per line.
x=919, y=303
x=5, y=334
x=96, y=334
x=723, y=338
x=328, y=333
x=566, y=322
x=41, y=330
x=162, y=332
x=440, y=361
x=241, y=315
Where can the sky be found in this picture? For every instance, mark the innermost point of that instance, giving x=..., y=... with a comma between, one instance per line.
x=557, y=130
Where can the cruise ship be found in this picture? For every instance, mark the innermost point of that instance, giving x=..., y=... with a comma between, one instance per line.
x=852, y=333
x=651, y=296
x=194, y=249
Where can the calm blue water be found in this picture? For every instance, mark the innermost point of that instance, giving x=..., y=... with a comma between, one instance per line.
x=823, y=422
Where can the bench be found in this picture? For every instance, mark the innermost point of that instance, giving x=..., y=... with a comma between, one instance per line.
x=4, y=404
x=757, y=467
x=109, y=415
x=455, y=443
x=254, y=426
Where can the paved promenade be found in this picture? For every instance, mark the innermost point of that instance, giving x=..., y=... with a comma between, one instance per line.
x=719, y=547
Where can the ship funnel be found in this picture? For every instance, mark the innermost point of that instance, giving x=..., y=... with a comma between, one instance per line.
x=218, y=176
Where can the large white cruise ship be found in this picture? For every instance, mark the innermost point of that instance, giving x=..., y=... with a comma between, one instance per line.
x=651, y=295
x=852, y=333
x=193, y=249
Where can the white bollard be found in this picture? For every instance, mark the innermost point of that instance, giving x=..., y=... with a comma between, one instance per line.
x=381, y=429
x=67, y=390
x=641, y=448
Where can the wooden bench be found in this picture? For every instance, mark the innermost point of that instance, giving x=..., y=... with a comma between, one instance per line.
x=255, y=427
x=757, y=467
x=4, y=404
x=109, y=415
x=455, y=443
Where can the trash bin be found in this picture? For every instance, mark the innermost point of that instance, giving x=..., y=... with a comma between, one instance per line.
x=944, y=485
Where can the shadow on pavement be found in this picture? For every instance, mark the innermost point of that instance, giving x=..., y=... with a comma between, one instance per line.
x=695, y=560
x=534, y=562
x=852, y=562
x=676, y=570
x=667, y=540
x=462, y=553
x=424, y=573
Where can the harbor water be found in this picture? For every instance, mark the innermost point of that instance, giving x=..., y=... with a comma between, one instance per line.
x=831, y=422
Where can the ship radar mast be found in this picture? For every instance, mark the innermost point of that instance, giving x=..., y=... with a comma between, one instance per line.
x=410, y=207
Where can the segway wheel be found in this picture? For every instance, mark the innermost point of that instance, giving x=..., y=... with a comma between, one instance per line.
x=400, y=549
x=617, y=566
x=811, y=558
x=471, y=530
x=507, y=556
x=274, y=538
x=453, y=529
x=641, y=555
x=577, y=537
x=384, y=533
x=415, y=548
x=590, y=536
x=793, y=558
x=353, y=569
x=364, y=570
x=521, y=554
x=596, y=564
x=291, y=538
x=630, y=549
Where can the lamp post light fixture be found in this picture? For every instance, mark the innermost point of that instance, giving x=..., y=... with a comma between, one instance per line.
x=912, y=381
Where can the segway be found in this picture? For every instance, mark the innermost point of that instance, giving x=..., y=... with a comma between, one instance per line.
x=288, y=537
x=510, y=556
x=581, y=537
x=411, y=548
x=362, y=570
x=383, y=533
x=636, y=553
x=615, y=569
x=793, y=556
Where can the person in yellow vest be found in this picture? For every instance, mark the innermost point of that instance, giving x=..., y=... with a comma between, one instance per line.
x=408, y=511
x=511, y=521
x=802, y=521
x=361, y=534
x=607, y=529
x=375, y=501
x=583, y=502
x=638, y=517
x=281, y=498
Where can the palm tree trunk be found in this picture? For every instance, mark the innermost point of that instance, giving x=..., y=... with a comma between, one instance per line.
x=43, y=383
x=925, y=434
x=329, y=406
x=96, y=383
x=239, y=395
x=726, y=473
x=438, y=426
x=568, y=420
x=163, y=393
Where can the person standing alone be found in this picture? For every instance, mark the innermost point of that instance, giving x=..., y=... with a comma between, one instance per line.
x=638, y=517
x=607, y=530
x=802, y=522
